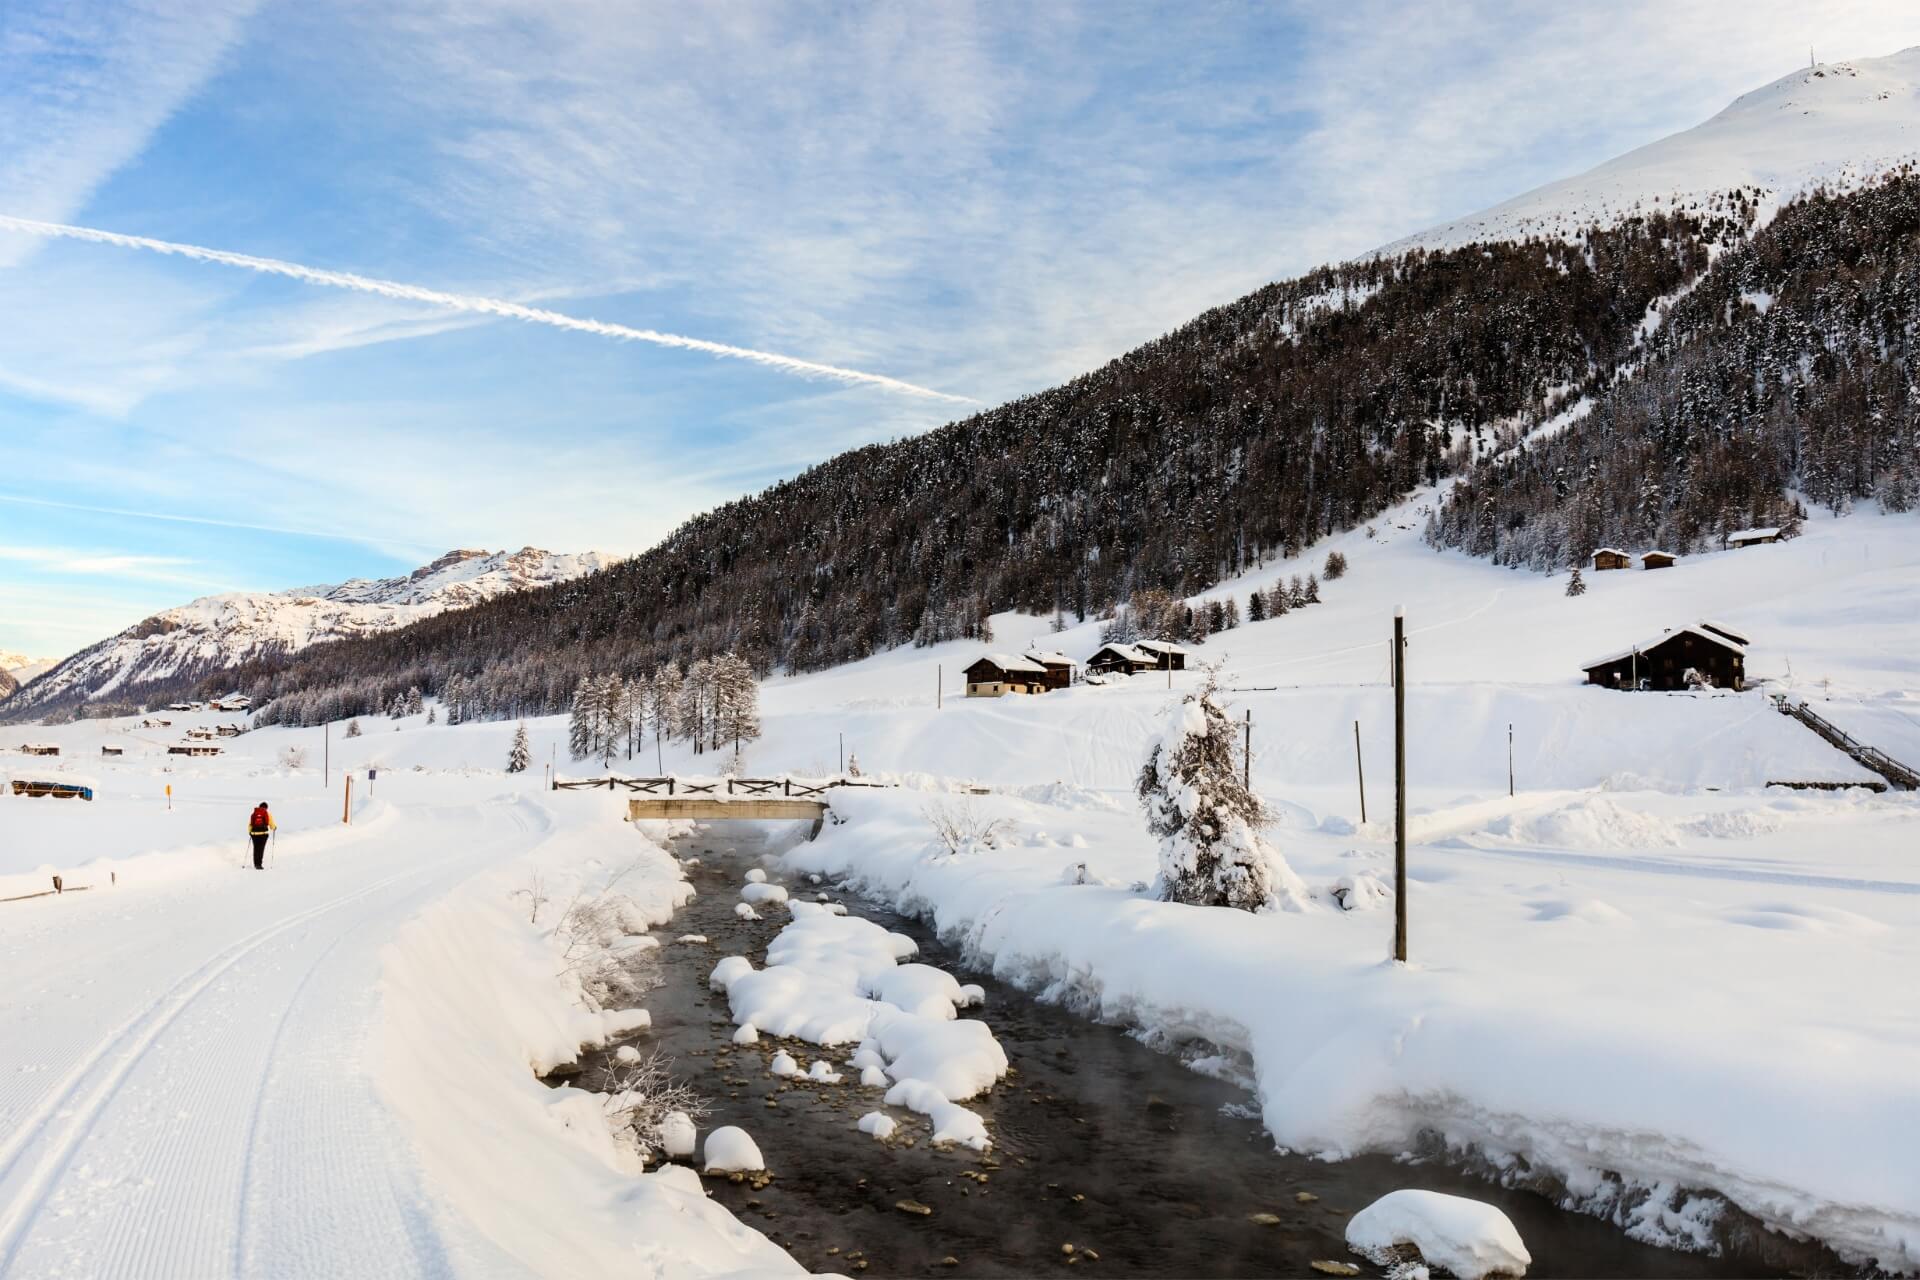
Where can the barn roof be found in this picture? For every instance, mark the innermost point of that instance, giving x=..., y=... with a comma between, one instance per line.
x=1701, y=630
x=1725, y=630
x=1007, y=662
x=1658, y=552
x=1160, y=646
x=1751, y=535
x=1050, y=659
x=1609, y=551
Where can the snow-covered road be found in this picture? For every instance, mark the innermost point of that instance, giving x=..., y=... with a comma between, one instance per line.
x=192, y=1099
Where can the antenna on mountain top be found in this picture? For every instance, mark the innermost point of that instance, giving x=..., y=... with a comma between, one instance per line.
x=1811, y=64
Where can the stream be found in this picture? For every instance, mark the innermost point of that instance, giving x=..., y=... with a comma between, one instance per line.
x=1140, y=1164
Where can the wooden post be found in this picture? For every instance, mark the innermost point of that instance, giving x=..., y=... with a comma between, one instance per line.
x=1360, y=769
x=1246, y=762
x=346, y=809
x=1400, y=785
x=939, y=686
x=326, y=756
x=843, y=755
x=1509, y=760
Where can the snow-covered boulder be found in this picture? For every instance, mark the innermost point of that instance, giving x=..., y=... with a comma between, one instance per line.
x=756, y=876
x=731, y=1150
x=678, y=1137
x=1462, y=1237
x=747, y=1034
x=879, y=1124
x=784, y=1065
x=758, y=892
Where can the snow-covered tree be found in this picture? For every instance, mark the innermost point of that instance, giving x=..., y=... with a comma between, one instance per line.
x=1207, y=821
x=398, y=707
x=1336, y=566
x=690, y=710
x=663, y=701
x=353, y=728
x=521, y=752
x=609, y=704
x=1257, y=607
x=432, y=715
x=580, y=741
x=853, y=764
x=736, y=700
x=415, y=701
x=1576, y=586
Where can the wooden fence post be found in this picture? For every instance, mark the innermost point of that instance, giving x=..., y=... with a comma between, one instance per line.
x=1400, y=785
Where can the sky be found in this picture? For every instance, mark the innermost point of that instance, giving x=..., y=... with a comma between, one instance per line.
x=975, y=201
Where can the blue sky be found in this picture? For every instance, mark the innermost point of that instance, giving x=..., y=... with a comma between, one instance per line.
x=981, y=200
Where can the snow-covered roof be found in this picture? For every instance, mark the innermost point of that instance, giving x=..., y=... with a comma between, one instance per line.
x=39, y=746
x=1610, y=551
x=1160, y=646
x=1050, y=659
x=1658, y=552
x=1700, y=630
x=1724, y=630
x=1751, y=535
x=1007, y=662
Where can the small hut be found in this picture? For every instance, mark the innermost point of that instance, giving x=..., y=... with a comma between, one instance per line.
x=39, y=749
x=999, y=674
x=194, y=749
x=1658, y=560
x=1751, y=537
x=1688, y=657
x=1611, y=558
x=111, y=750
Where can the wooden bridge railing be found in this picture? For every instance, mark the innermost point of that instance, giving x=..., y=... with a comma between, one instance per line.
x=712, y=786
x=1900, y=775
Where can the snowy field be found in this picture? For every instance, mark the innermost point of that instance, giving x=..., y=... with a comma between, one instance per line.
x=1646, y=976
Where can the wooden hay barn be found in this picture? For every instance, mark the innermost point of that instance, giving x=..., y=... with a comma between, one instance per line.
x=1120, y=659
x=39, y=749
x=1752, y=537
x=113, y=751
x=1058, y=667
x=1611, y=558
x=1166, y=654
x=1658, y=560
x=999, y=674
x=1685, y=658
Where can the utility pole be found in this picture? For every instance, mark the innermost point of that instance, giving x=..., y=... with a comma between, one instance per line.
x=326, y=755
x=843, y=755
x=1400, y=784
x=1509, y=760
x=939, y=686
x=1360, y=770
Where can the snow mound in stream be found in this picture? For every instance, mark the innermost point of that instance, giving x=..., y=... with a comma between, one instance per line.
x=1462, y=1237
x=731, y=1150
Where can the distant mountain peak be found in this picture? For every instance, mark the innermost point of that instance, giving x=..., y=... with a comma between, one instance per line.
x=178, y=646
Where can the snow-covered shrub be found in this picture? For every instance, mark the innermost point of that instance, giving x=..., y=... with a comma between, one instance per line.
x=599, y=940
x=959, y=825
x=1208, y=822
x=648, y=1111
x=521, y=752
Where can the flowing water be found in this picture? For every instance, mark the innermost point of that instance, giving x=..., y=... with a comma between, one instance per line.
x=1140, y=1164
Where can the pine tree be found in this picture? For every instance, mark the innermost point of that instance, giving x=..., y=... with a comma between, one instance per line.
x=580, y=743
x=520, y=754
x=353, y=728
x=397, y=709
x=1575, y=585
x=454, y=697
x=1312, y=595
x=431, y=715
x=415, y=701
x=663, y=701
x=690, y=711
x=736, y=700
x=1232, y=607
x=1207, y=821
x=609, y=733
x=1336, y=566
x=1257, y=607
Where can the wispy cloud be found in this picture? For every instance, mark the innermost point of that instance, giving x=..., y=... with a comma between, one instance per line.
x=145, y=568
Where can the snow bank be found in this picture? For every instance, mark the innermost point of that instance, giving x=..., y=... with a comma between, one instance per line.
x=1462, y=1237
x=1755, y=984
x=476, y=1001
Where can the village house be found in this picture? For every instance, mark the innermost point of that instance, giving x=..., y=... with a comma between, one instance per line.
x=999, y=674
x=230, y=730
x=1658, y=560
x=1059, y=668
x=194, y=749
x=154, y=722
x=1120, y=660
x=1751, y=537
x=1688, y=657
x=1611, y=558
x=39, y=749
x=200, y=733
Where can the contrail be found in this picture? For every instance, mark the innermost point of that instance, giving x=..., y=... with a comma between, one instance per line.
x=469, y=302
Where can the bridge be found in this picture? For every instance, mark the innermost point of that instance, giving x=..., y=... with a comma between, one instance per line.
x=709, y=799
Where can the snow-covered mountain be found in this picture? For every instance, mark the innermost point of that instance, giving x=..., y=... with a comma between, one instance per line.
x=182, y=645
x=1833, y=125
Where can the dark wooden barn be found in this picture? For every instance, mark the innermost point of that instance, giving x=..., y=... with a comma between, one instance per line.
x=1165, y=654
x=1611, y=558
x=1058, y=667
x=1688, y=657
x=1120, y=659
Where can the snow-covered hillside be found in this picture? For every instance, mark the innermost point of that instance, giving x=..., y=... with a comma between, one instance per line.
x=1831, y=125
x=216, y=632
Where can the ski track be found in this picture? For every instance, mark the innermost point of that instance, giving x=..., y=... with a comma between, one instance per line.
x=1652, y=865
x=226, y=1124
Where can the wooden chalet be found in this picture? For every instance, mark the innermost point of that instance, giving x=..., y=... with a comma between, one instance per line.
x=230, y=730
x=39, y=749
x=1611, y=558
x=1166, y=654
x=193, y=749
x=1120, y=660
x=1688, y=657
x=200, y=733
x=1059, y=668
x=110, y=750
x=999, y=674
x=154, y=722
x=1657, y=560
x=1751, y=537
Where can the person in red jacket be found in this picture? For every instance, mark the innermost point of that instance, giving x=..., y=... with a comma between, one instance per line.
x=260, y=825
